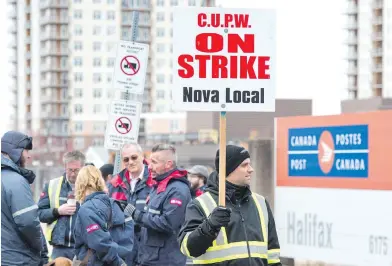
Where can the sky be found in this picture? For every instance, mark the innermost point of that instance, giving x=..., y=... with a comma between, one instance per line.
x=310, y=52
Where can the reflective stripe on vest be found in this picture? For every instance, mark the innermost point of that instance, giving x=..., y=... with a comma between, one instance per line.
x=54, y=190
x=221, y=250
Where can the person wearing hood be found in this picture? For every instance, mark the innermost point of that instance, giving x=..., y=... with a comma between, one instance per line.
x=243, y=232
x=164, y=213
x=21, y=242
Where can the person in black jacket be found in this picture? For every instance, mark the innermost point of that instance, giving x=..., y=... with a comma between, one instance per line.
x=243, y=232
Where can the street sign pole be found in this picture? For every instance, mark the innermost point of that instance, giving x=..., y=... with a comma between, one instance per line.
x=134, y=28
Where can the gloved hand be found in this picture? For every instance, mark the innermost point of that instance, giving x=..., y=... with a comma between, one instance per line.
x=219, y=217
x=129, y=210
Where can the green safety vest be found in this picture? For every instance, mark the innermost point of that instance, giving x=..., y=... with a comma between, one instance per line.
x=54, y=190
x=221, y=250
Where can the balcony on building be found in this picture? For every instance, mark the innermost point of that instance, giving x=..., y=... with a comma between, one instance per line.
x=54, y=20
x=28, y=40
x=54, y=115
x=377, y=20
x=377, y=4
x=12, y=44
x=53, y=83
x=377, y=52
x=138, y=6
x=53, y=98
x=12, y=14
x=53, y=4
x=53, y=67
x=53, y=35
x=53, y=52
x=28, y=25
x=12, y=29
x=12, y=2
x=352, y=70
x=377, y=36
x=352, y=55
x=28, y=9
x=351, y=9
x=377, y=67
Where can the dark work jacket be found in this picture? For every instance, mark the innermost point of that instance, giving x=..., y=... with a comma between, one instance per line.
x=62, y=234
x=102, y=226
x=120, y=189
x=162, y=219
x=244, y=225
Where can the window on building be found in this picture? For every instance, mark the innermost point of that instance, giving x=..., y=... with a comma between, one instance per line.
x=78, y=61
x=78, y=14
x=64, y=61
x=160, y=47
x=78, y=30
x=96, y=1
x=111, y=30
x=97, y=30
x=191, y=2
x=97, y=108
x=111, y=15
x=174, y=2
x=110, y=2
x=77, y=1
x=160, y=16
x=171, y=48
x=78, y=108
x=110, y=46
x=97, y=77
x=78, y=126
x=171, y=32
x=97, y=46
x=78, y=77
x=98, y=142
x=109, y=78
x=110, y=94
x=160, y=2
x=78, y=93
x=160, y=94
x=174, y=125
x=161, y=78
x=97, y=14
x=78, y=46
x=78, y=143
x=110, y=62
x=161, y=62
x=96, y=62
x=160, y=108
x=97, y=127
x=160, y=32
x=97, y=93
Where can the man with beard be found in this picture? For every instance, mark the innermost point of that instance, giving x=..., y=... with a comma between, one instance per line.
x=197, y=176
x=133, y=185
x=164, y=213
x=21, y=242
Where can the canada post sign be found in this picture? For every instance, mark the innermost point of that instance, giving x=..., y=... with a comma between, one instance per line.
x=334, y=151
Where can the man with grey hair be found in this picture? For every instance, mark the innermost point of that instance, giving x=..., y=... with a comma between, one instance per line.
x=164, y=213
x=132, y=185
x=58, y=209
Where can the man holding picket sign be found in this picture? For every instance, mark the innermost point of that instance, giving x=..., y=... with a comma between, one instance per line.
x=224, y=60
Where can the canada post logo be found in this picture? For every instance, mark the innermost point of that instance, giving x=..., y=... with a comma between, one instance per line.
x=338, y=151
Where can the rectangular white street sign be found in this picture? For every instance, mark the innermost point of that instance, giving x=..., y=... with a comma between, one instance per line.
x=123, y=124
x=224, y=59
x=131, y=66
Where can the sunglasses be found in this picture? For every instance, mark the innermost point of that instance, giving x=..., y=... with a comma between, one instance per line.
x=133, y=158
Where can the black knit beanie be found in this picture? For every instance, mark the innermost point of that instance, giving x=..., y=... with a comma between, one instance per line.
x=235, y=155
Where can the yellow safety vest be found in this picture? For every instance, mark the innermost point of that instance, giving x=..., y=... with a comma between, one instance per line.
x=54, y=190
x=221, y=250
